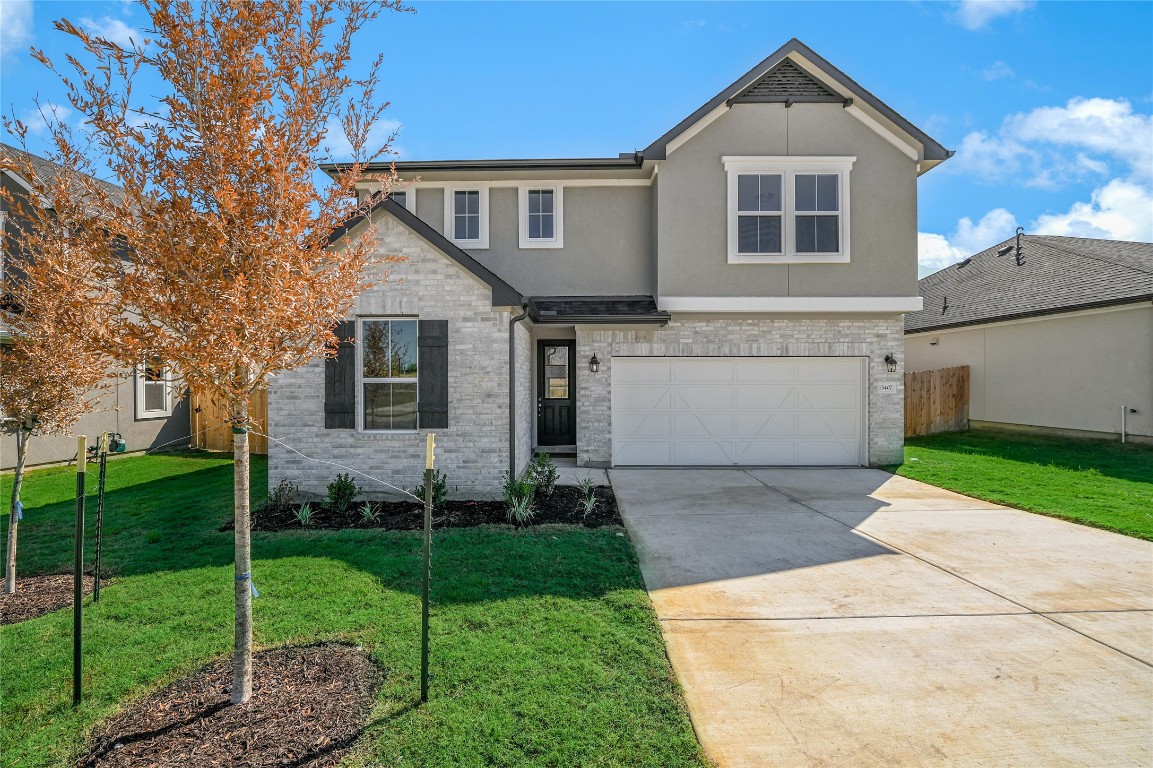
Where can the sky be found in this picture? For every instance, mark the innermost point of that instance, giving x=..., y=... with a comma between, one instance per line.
x=1049, y=105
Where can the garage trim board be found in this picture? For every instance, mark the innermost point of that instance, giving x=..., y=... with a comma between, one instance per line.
x=739, y=411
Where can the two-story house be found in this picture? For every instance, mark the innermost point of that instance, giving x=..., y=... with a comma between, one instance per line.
x=732, y=294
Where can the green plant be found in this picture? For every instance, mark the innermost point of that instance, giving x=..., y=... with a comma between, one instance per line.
x=283, y=496
x=439, y=489
x=521, y=510
x=589, y=503
x=304, y=514
x=368, y=513
x=519, y=497
x=341, y=492
x=544, y=473
x=586, y=485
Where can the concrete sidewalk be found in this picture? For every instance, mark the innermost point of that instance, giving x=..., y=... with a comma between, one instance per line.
x=825, y=617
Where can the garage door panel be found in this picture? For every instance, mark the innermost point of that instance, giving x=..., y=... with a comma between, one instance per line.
x=737, y=411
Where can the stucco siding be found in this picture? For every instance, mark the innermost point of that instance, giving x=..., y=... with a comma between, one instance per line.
x=693, y=249
x=748, y=336
x=472, y=450
x=1072, y=371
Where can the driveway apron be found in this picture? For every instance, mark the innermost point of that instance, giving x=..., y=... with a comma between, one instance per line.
x=829, y=617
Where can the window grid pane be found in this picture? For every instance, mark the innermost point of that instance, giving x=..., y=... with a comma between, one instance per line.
x=389, y=373
x=817, y=234
x=758, y=234
x=541, y=216
x=759, y=193
x=466, y=215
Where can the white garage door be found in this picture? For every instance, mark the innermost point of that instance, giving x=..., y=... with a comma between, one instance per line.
x=738, y=410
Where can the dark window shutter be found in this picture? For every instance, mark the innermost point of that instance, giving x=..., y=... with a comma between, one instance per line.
x=432, y=373
x=340, y=381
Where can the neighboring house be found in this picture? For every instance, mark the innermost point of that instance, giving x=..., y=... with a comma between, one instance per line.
x=1058, y=336
x=726, y=296
x=144, y=406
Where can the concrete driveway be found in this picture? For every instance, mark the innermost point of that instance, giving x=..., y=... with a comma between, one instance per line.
x=829, y=617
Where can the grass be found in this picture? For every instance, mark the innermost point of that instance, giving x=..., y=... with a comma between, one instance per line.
x=1103, y=484
x=545, y=649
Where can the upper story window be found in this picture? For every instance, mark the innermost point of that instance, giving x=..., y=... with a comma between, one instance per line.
x=788, y=209
x=154, y=395
x=541, y=222
x=387, y=369
x=466, y=217
x=406, y=197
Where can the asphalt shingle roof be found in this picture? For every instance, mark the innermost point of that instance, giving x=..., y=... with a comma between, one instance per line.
x=1056, y=274
x=593, y=309
x=46, y=169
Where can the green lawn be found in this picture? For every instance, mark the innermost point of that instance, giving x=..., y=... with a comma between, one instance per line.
x=545, y=650
x=1099, y=483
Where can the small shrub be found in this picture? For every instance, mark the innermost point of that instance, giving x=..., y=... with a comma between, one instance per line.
x=341, y=492
x=439, y=489
x=304, y=514
x=586, y=486
x=521, y=510
x=544, y=473
x=283, y=496
x=369, y=513
x=589, y=504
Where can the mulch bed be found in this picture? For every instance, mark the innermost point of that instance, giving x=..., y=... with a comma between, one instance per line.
x=38, y=595
x=308, y=706
x=562, y=506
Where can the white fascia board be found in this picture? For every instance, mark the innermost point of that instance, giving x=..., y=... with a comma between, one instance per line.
x=515, y=183
x=818, y=162
x=792, y=304
x=695, y=128
x=883, y=132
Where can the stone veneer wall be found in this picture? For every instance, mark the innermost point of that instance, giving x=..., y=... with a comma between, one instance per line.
x=472, y=450
x=525, y=412
x=737, y=336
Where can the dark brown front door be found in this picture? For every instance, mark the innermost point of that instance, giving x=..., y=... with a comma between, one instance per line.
x=556, y=393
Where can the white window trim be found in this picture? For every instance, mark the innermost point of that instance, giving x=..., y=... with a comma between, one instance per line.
x=527, y=242
x=169, y=391
x=788, y=168
x=449, y=230
x=409, y=196
x=360, y=380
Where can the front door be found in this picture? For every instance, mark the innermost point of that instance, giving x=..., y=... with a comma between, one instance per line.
x=556, y=393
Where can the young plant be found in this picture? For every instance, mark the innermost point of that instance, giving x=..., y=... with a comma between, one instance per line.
x=544, y=473
x=304, y=514
x=519, y=497
x=369, y=514
x=586, y=486
x=589, y=505
x=282, y=498
x=439, y=489
x=341, y=492
x=521, y=510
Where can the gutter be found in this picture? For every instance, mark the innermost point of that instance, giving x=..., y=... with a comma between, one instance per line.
x=512, y=323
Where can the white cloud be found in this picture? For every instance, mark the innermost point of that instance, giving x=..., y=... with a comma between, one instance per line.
x=975, y=14
x=113, y=30
x=338, y=146
x=15, y=26
x=1120, y=210
x=936, y=251
x=38, y=118
x=998, y=70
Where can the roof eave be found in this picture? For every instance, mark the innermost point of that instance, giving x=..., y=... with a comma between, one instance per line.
x=1148, y=298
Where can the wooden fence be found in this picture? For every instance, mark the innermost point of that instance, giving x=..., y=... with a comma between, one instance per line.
x=210, y=430
x=937, y=401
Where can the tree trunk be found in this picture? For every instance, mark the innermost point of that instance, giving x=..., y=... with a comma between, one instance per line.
x=13, y=522
x=242, y=655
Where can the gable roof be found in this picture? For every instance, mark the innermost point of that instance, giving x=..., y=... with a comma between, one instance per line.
x=767, y=76
x=1056, y=274
x=46, y=169
x=503, y=294
x=786, y=82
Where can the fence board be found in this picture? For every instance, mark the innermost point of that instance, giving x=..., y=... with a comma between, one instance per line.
x=210, y=430
x=936, y=401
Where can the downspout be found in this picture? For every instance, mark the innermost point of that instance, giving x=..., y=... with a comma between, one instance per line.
x=512, y=323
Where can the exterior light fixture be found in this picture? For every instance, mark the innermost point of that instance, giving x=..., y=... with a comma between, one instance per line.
x=890, y=363
x=594, y=364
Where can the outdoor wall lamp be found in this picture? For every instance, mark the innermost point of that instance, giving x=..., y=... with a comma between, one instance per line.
x=890, y=363
x=594, y=364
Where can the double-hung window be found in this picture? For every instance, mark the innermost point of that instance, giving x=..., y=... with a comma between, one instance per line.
x=466, y=217
x=154, y=394
x=406, y=197
x=788, y=209
x=541, y=219
x=388, y=374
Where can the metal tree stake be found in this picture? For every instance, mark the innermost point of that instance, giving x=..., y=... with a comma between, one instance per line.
x=78, y=571
x=102, y=452
x=430, y=444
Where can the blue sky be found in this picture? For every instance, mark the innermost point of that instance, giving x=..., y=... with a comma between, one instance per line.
x=1048, y=104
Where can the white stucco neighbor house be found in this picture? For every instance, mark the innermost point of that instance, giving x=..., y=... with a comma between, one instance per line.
x=731, y=295
x=1057, y=333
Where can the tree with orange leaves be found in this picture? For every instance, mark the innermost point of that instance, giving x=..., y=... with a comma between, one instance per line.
x=217, y=258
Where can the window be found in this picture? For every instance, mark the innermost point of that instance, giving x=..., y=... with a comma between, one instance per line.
x=541, y=217
x=466, y=217
x=788, y=209
x=406, y=197
x=154, y=390
x=388, y=374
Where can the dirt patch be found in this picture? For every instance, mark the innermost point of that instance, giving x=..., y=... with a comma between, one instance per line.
x=308, y=706
x=38, y=595
x=564, y=505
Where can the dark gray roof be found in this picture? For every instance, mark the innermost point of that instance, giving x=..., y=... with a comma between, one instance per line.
x=933, y=150
x=626, y=161
x=786, y=82
x=46, y=169
x=597, y=309
x=1056, y=274
x=503, y=294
